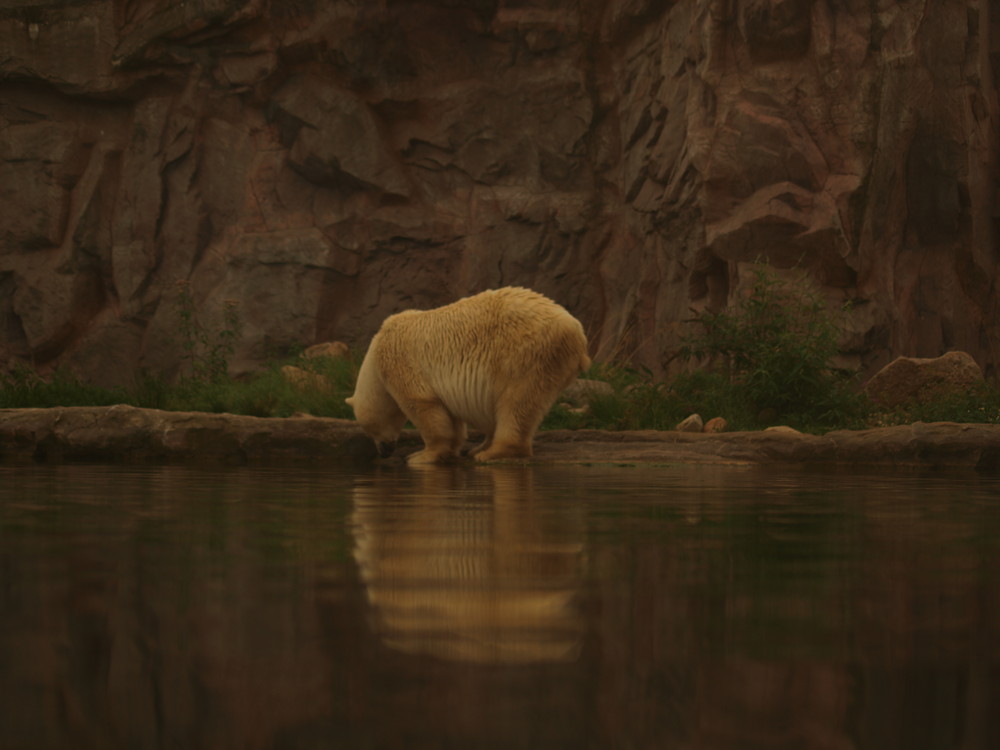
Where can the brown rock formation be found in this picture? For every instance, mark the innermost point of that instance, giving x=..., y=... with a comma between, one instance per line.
x=327, y=164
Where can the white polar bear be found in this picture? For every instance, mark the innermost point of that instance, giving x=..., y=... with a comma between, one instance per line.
x=496, y=361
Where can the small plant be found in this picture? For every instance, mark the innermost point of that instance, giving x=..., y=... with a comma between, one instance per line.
x=207, y=355
x=773, y=350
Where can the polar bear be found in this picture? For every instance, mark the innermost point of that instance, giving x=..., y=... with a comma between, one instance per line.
x=496, y=361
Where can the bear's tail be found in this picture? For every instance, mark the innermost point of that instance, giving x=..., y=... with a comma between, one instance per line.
x=584, y=362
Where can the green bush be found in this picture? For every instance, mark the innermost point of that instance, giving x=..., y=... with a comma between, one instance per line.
x=765, y=360
x=265, y=394
x=269, y=393
x=770, y=355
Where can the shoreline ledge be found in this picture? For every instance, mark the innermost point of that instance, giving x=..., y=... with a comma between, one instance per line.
x=127, y=434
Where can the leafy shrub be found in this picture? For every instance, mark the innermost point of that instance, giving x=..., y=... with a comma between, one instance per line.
x=771, y=353
x=269, y=393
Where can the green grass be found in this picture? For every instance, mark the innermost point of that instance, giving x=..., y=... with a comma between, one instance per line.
x=977, y=406
x=264, y=394
x=637, y=401
x=22, y=388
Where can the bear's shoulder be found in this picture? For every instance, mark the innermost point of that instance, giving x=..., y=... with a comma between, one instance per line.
x=491, y=304
x=508, y=296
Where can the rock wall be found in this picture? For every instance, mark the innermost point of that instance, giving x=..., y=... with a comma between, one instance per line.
x=323, y=164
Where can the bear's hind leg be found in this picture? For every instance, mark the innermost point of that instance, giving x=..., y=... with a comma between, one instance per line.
x=518, y=415
x=438, y=430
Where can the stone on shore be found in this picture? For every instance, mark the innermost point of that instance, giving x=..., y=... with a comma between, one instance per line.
x=304, y=380
x=911, y=380
x=329, y=349
x=692, y=423
x=715, y=425
x=581, y=390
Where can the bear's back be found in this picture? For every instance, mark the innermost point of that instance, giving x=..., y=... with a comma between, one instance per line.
x=469, y=351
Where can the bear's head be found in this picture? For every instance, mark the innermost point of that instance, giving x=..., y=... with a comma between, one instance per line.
x=380, y=418
x=375, y=409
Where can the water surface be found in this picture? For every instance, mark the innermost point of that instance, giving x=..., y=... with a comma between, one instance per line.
x=496, y=607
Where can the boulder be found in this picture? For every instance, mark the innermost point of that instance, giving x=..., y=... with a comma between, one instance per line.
x=692, y=423
x=715, y=425
x=304, y=380
x=581, y=390
x=329, y=349
x=912, y=380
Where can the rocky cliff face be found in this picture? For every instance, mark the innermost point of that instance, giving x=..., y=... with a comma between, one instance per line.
x=324, y=164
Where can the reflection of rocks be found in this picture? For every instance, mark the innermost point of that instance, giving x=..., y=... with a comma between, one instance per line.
x=466, y=570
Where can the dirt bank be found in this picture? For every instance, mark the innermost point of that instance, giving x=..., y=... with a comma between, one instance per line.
x=127, y=434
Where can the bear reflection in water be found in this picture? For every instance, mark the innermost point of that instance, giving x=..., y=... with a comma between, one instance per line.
x=462, y=568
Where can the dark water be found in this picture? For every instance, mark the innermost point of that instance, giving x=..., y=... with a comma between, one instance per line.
x=497, y=608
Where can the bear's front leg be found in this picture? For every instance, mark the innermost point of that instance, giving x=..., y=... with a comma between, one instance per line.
x=439, y=431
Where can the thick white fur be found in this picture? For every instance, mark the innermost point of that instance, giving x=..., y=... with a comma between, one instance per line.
x=496, y=361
